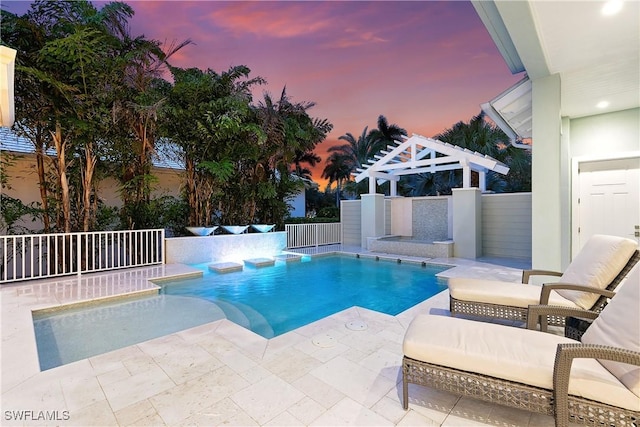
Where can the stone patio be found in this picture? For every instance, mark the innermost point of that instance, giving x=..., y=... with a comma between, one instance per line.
x=341, y=370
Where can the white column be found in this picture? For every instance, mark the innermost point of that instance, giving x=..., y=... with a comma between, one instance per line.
x=483, y=181
x=372, y=217
x=546, y=223
x=393, y=185
x=467, y=223
x=372, y=185
x=466, y=174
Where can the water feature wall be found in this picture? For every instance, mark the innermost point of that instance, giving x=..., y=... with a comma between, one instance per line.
x=224, y=247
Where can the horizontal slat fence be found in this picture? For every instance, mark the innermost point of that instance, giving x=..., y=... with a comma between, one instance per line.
x=38, y=256
x=307, y=235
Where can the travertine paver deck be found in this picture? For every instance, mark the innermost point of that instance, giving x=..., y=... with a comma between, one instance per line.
x=325, y=373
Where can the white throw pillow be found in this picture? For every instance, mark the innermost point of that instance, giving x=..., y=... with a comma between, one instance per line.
x=597, y=264
x=619, y=326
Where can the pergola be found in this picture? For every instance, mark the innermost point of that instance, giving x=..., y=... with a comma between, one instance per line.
x=419, y=154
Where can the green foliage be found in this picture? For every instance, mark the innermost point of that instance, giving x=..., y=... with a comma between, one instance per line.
x=222, y=170
x=344, y=160
x=13, y=211
x=166, y=212
x=329, y=212
x=82, y=78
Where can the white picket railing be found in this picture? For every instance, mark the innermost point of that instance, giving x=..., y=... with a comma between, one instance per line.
x=306, y=235
x=37, y=256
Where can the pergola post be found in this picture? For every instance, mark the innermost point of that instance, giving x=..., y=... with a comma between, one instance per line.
x=393, y=185
x=466, y=174
x=483, y=181
x=372, y=185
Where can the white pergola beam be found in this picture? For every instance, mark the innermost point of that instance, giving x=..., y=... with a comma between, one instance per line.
x=417, y=154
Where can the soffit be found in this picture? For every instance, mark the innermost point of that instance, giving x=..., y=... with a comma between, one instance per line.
x=597, y=56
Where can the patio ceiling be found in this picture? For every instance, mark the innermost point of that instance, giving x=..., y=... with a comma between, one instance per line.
x=597, y=56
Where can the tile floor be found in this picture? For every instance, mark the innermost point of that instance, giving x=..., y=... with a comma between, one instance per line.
x=221, y=374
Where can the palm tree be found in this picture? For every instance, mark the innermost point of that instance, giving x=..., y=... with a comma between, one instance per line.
x=386, y=134
x=292, y=135
x=337, y=170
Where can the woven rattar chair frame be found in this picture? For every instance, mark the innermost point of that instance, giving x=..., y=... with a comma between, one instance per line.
x=507, y=312
x=558, y=402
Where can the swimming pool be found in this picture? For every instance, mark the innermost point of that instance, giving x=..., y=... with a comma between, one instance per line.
x=269, y=301
x=274, y=300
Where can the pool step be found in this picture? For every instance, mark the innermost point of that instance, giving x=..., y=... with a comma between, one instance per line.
x=260, y=262
x=246, y=317
x=288, y=257
x=225, y=267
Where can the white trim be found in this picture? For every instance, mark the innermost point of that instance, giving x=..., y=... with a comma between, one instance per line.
x=575, y=187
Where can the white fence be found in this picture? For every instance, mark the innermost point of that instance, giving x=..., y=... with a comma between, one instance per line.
x=37, y=256
x=306, y=235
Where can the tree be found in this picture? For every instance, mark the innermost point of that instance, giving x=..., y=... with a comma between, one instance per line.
x=291, y=137
x=64, y=84
x=144, y=92
x=345, y=159
x=64, y=73
x=386, y=134
x=208, y=116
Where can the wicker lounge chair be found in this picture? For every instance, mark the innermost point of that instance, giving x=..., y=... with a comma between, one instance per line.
x=535, y=371
x=599, y=268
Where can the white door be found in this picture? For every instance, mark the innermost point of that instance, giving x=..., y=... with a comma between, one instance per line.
x=609, y=199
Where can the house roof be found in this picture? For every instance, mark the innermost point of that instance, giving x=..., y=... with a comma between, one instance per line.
x=512, y=110
x=165, y=156
x=419, y=154
x=597, y=56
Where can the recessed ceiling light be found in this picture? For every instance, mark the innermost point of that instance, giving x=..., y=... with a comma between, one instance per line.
x=602, y=104
x=611, y=7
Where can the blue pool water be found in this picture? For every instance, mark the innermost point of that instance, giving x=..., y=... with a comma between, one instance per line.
x=269, y=301
x=273, y=300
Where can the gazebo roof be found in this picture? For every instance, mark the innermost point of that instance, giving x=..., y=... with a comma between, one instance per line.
x=419, y=154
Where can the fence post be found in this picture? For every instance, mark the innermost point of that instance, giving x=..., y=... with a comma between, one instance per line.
x=78, y=252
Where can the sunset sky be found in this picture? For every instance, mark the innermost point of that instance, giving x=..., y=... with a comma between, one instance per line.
x=424, y=65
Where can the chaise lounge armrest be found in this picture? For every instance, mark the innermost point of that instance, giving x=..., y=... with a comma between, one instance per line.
x=526, y=274
x=548, y=287
x=540, y=313
x=565, y=354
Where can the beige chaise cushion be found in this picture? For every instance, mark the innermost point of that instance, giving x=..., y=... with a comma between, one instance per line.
x=509, y=353
x=619, y=326
x=501, y=293
x=597, y=264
